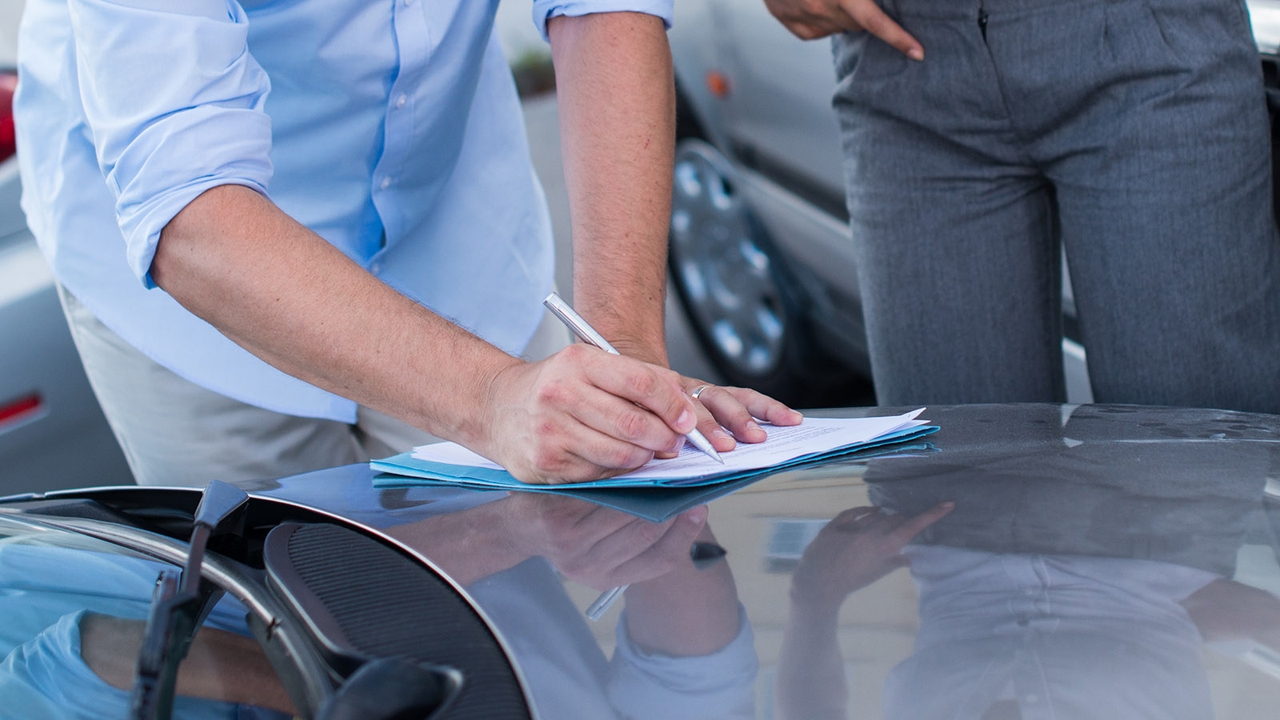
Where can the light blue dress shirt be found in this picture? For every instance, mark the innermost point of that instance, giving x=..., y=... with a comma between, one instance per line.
x=389, y=127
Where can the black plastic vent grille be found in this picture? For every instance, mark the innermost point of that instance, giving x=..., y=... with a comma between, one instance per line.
x=385, y=605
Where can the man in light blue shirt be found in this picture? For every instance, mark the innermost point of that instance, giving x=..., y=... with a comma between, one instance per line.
x=326, y=210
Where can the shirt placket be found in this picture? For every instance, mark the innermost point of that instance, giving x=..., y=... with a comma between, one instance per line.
x=414, y=43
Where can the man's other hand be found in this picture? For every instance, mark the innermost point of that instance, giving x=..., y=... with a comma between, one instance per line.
x=735, y=410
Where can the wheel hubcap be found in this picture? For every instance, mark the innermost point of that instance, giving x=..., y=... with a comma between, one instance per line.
x=726, y=276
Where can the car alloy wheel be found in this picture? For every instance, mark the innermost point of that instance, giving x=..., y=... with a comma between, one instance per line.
x=722, y=267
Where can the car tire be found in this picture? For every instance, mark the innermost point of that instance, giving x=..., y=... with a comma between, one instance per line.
x=746, y=309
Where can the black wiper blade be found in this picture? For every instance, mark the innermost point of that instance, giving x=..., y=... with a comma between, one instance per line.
x=181, y=602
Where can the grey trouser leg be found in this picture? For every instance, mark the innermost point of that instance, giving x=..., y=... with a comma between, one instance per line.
x=1133, y=132
x=174, y=432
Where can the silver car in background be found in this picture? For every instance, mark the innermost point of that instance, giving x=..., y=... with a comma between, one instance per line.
x=760, y=242
x=52, y=430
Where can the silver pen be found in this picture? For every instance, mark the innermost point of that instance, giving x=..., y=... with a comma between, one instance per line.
x=588, y=334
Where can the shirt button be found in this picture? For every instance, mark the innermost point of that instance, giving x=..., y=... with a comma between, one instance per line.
x=386, y=183
x=400, y=101
x=375, y=268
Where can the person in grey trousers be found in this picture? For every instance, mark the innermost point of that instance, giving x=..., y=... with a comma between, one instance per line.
x=981, y=137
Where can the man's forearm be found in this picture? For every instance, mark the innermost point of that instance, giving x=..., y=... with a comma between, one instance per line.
x=298, y=303
x=686, y=612
x=617, y=119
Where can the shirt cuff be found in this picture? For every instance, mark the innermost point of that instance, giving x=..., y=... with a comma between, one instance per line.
x=719, y=685
x=544, y=10
x=209, y=147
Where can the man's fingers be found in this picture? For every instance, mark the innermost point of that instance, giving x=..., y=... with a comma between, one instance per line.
x=737, y=409
x=628, y=422
x=633, y=551
x=764, y=407
x=561, y=448
x=604, y=547
x=589, y=455
x=661, y=556
x=611, y=411
x=719, y=411
x=557, y=527
x=871, y=18
x=622, y=545
x=653, y=388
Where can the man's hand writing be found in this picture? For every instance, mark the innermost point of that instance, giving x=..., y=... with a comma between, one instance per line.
x=812, y=19
x=583, y=414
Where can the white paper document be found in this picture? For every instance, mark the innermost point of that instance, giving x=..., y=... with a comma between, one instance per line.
x=814, y=437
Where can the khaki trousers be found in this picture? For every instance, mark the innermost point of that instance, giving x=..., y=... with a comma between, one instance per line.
x=176, y=433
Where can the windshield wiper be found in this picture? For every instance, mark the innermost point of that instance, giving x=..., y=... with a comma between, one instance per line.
x=181, y=602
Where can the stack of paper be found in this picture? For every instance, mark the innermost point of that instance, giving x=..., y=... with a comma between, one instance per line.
x=813, y=440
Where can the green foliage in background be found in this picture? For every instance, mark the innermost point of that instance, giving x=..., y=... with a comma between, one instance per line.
x=534, y=72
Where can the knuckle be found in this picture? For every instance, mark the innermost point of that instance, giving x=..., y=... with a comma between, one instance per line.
x=552, y=392
x=575, y=352
x=632, y=424
x=644, y=383
x=549, y=460
x=545, y=429
x=733, y=413
x=629, y=457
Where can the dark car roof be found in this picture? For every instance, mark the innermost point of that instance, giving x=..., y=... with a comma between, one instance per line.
x=1135, y=507
x=1100, y=561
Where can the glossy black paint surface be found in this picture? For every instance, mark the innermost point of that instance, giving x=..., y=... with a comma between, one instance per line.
x=1098, y=562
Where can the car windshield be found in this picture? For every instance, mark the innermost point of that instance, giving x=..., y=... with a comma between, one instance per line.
x=75, y=612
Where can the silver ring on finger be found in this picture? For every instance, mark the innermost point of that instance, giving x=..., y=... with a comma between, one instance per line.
x=698, y=391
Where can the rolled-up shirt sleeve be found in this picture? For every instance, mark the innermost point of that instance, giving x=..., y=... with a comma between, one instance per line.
x=544, y=10
x=175, y=104
x=719, y=686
